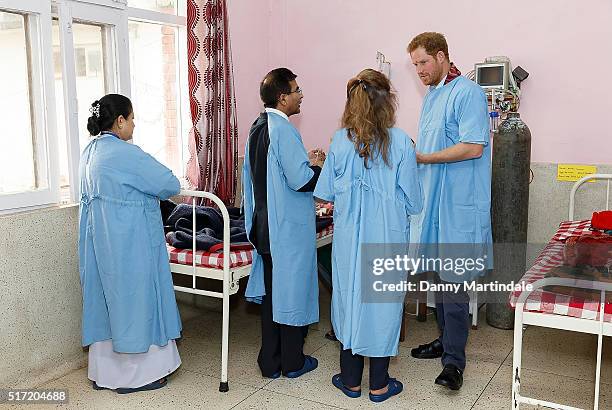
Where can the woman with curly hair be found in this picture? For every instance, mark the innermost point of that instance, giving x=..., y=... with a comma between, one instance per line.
x=371, y=176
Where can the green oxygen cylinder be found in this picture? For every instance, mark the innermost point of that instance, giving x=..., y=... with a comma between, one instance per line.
x=509, y=212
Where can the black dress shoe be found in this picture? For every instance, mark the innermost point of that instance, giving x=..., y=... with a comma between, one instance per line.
x=450, y=377
x=431, y=350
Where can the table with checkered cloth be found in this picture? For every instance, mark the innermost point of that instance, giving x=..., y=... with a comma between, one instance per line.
x=206, y=259
x=541, y=300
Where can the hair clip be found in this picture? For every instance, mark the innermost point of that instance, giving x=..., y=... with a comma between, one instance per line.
x=359, y=82
x=95, y=109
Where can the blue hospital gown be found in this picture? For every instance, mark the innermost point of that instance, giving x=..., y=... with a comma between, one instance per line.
x=457, y=212
x=371, y=205
x=128, y=295
x=291, y=223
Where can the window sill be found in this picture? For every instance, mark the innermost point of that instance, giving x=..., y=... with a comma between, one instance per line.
x=40, y=208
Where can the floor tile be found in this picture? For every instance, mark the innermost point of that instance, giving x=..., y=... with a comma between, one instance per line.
x=265, y=400
x=542, y=386
x=417, y=375
x=185, y=389
x=564, y=353
x=200, y=348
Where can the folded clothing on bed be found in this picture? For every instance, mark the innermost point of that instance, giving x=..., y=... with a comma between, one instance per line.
x=178, y=225
x=209, y=228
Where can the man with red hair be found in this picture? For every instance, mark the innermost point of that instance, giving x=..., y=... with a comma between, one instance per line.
x=454, y=159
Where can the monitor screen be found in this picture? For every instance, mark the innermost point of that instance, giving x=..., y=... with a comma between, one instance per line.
x=491, y=76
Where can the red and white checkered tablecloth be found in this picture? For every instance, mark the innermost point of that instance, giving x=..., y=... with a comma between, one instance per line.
x=574, y=228
x=552, y=256
x=215, y=260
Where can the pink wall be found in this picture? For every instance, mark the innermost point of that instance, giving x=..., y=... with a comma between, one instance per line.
x=250, y=41
x=563, y=44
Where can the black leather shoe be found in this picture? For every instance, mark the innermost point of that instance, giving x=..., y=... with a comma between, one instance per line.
x=450, y=377
x=431, y=350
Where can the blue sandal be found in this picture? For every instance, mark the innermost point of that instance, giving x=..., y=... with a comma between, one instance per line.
x=337, y=381
x=394, y=387
x=310, y=363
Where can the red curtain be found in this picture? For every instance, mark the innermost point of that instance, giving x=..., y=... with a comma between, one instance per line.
x=213, y=140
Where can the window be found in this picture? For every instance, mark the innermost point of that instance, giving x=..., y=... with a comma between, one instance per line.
x=155, y=67
x=79, y=48
x=17, y=144
x=60, y=114
x=90, y=79
x=90, y=84
x=84, y=42
x=158, y=78
x=28, y=177
x=94, y=62
x=79, y=56
x=57, y=58
x=162, y=6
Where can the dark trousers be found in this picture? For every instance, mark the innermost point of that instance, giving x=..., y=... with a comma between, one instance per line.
x=351, y=366
x=452, y=314
x=281, y=345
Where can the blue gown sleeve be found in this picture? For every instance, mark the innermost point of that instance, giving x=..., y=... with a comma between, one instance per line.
x=471, y=112
x=325, y=184
x=153, y=178
x=293, y=160
x=409, y=181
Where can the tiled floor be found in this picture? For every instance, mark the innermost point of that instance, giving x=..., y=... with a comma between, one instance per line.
x=558, y=366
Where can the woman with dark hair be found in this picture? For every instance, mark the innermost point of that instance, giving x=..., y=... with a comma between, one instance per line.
x=371, y=176
x=130, y=316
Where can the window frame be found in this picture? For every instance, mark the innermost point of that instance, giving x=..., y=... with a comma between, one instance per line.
x=37, y=17
x=111, y=21
x=114, y=17
x=180, y=22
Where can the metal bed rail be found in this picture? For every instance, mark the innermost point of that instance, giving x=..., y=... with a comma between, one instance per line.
x=226, y=277
x=229, y=276
x=597, y=327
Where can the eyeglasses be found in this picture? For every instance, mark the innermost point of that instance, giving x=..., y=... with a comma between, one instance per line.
x=297, y=90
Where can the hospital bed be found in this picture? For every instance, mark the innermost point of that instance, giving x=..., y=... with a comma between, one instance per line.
x=219, y=266
x=561, y=310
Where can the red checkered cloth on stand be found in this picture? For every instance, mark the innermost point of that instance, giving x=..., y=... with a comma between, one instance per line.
x=551, y=257
x=215, y=260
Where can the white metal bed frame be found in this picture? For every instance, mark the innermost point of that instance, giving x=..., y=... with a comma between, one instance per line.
x=523, y=318
x=229, y=276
